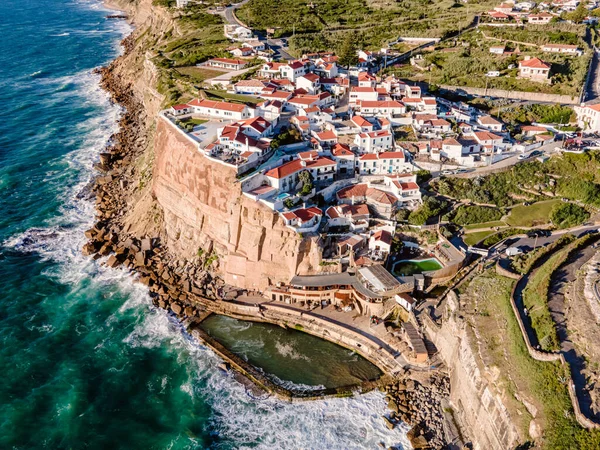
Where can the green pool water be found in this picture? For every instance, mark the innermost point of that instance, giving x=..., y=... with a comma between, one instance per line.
x=291, y=358
x=413, y=266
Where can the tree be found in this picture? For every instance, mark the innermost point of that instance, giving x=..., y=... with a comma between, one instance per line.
x=307, y=182
x=579, y=15
x=348, y=52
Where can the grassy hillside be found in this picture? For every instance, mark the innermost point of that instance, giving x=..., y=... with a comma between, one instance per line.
x=321, y=24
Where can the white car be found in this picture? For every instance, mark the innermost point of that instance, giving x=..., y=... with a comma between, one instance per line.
x=523, y=156
x=447, y=172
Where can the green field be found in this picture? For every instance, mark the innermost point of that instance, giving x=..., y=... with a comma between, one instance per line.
x=214, y=94
x=198, y=74
x=531, y=216
x=473, y=238
x=475, y=226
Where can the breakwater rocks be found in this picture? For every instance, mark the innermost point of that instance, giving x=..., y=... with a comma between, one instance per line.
x=420, y=404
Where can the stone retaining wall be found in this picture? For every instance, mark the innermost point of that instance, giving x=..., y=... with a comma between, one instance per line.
x=515, y=95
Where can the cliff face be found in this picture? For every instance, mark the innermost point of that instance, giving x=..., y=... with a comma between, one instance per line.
x=204, y=208
x=477, y=406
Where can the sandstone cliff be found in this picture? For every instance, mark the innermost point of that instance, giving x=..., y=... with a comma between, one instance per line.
x=204, y=208
x=189, y=201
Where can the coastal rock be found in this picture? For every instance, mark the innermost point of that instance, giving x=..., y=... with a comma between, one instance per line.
x=176, y=308
x=391, y=425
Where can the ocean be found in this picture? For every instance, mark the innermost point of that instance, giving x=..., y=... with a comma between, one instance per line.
x=86, y=361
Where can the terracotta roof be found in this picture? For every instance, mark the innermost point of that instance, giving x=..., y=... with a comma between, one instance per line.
x=326, y=135
x=222, y=106
x=297, y=165
x=380, y=104
x=383, y=236
x=361, y=122
x=347, y=210
x=362, y=190
x=341, y=150
x=488, y=120
x=311, y=77
x=304, y=214
x=409, y=186
x=375, y=134
x=365, y=76
x=250, y=83
x=534, y=63
x=486, y=136
x=180, y=107
x=450, y=141
x=363, y=89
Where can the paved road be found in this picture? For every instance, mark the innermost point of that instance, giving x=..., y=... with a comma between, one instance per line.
x=277, y=46
x=229, y=13
x=529, y=243
x=505, y=163
x=557, y=304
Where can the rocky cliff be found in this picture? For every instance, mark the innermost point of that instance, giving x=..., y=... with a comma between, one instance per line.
x=204, y=209
x=193, y=204
x=478, y=407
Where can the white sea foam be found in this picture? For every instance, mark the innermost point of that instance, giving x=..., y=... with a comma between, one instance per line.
x=287, y=349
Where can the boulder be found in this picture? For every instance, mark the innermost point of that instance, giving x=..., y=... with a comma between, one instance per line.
x=391, y=425
x=147, y=244
x=176, y=308
x=112, y=261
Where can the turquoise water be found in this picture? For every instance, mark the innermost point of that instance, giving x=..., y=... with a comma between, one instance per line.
x=297, y=358
x=86, y=361
x=413, y=266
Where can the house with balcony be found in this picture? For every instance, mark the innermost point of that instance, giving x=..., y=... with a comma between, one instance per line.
x=374, y=141
x=405, y=188
x=227, y=63
x=384, y=163
x=310, y=82
x=344, y=157
x=489, y=123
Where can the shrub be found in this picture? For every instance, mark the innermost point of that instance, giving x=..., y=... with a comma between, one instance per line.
x=431, y=207
x=466, y=215
x=567, y=215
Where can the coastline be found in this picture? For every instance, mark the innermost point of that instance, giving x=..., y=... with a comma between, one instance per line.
x=191, y=291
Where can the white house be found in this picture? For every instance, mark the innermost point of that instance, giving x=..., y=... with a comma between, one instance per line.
x=303, y=219
x=373, y=141
x=588, y=117
x=542, y=18
x=354, y=216
x=285, y=176
x=227, y=63
x=489, y=123
x=292, y=70
x=221, y=110
x=358, y=94
x=250, y=87
x=179, y=110
x=365, y=79
x=562, y=48
x=344, y=157
x=381, y=108
x=237, y=32
x=405, y=188
x=384, y=163
x=310, y=82
x=489, y=141
x=381, y=241
x=534, y=69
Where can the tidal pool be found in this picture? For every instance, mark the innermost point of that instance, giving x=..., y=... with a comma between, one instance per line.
x=291, y=358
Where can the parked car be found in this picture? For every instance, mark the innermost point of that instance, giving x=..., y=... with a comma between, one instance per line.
x=523, y=156
x=447, y=172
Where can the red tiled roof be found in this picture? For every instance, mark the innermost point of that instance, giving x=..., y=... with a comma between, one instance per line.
x=341, y=150
x=380, y=104
x=296, y=165
x=326, y=135
x=362, y=190
x=222, y=106
x=361, y=122
x=239, y=62
x=383, y=236
x=311, y=77
x=534, y=63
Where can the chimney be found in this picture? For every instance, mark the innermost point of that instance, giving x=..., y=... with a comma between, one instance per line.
x=527, y=58
x=303, y=163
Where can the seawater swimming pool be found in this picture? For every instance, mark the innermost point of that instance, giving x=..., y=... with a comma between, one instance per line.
x=415, y=266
